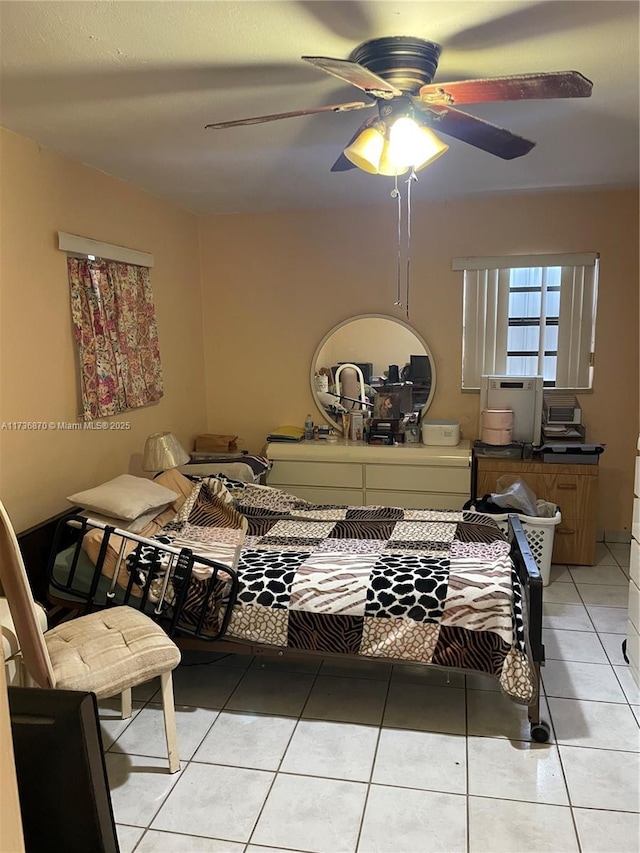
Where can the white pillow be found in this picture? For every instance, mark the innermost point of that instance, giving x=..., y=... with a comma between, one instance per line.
x=122, y=523
x=124, y=497
x=135, y=526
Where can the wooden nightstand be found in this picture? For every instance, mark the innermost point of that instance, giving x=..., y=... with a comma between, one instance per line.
x=574, y=488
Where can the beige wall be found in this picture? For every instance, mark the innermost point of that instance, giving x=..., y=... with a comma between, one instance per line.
x=43, y=193
x=274, y=284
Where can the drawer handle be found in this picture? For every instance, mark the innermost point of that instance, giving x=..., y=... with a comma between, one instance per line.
x=564, y=531
x=570, y=486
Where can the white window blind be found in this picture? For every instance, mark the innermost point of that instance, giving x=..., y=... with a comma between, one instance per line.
x=529, y=315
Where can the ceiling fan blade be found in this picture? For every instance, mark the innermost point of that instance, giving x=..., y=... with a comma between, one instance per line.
x=477, y=132
x=356, y=74
x=518, y=87
x=343, y=164
x=334, y=108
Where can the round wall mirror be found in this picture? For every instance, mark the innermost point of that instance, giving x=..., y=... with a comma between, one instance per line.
x=372, y=363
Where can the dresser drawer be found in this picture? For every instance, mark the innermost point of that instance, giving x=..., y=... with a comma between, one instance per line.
x=564, y=490
x=336, y=474
x=575, y=495
x=415, y=500
x=574, y=543
x=322, y=495
x=421, y=478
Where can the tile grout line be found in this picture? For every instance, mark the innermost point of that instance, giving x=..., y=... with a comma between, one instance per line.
x=231, y=710
x=277, y=771
x=375, y=756
x=602, y=646
x=566, y=785
x=182, y=770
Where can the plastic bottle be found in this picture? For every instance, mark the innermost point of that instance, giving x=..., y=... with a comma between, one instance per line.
x=308, y=428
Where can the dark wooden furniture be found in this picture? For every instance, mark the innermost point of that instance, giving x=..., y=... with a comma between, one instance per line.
x=35, y=545
x=574, y=488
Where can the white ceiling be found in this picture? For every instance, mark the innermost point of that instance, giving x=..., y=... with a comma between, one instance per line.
x=127, y=87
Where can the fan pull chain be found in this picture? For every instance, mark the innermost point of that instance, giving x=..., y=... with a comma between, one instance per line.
x=395, y=193
x=412, y=177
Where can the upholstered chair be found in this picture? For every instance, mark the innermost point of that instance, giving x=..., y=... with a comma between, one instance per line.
x=107, y=652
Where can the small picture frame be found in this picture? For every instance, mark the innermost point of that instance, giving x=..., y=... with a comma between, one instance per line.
x=392, y=402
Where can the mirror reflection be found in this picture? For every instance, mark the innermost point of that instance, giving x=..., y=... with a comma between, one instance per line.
x=376, y=365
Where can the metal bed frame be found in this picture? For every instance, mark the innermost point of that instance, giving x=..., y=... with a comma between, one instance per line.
x=181, y=563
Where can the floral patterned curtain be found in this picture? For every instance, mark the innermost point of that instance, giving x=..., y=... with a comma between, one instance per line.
x=114, y=322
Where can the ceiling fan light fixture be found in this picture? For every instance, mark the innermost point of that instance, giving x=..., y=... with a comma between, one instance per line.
x=431, y=147
x=366, y=149
x=388, y=166
x=411, y=144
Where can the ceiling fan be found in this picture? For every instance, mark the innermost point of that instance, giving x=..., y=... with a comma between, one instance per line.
x=398, y=71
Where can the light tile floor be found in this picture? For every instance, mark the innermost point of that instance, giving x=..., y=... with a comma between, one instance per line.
x=322, y=757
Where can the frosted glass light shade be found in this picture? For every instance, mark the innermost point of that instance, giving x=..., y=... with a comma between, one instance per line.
x=407, y=144
x=162, y=450
x=411, y=144
x=432, y=148
x=388, y=167
x=404, y=142
x=365, y=150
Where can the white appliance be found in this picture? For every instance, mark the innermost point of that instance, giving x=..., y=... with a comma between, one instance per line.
x=441, y=433
x=521, y=394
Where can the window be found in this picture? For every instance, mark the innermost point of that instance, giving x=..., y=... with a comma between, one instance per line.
x=529, y=315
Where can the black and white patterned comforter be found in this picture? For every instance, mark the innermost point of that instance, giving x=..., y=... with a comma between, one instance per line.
x=411, y=585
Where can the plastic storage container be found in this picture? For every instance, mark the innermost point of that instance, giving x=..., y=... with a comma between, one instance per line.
x=441, y=433
x=539, y=533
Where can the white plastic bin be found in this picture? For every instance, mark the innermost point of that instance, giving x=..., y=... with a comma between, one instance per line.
x=539, y=533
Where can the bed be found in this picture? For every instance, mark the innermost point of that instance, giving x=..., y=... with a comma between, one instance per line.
x=247, y=567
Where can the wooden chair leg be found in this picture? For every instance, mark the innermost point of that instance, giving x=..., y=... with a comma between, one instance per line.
x=126, y=704
x=168, y=708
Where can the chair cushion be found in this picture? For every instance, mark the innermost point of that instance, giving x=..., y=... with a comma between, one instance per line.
x=109, y=651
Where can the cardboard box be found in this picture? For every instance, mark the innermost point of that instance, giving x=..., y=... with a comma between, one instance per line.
x=213, y=443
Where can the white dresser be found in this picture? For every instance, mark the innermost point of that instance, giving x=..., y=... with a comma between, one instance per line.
x=633, y=633
x=348, y=472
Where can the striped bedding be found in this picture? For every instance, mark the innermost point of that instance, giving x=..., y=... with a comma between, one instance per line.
x=411, y=585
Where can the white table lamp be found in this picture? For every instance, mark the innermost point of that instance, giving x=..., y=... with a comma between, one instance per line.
x=162, y=450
